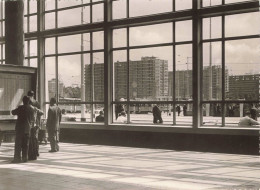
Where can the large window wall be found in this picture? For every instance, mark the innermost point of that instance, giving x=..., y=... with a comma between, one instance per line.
x=201, y=56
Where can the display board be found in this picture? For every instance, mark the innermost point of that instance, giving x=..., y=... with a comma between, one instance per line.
x=15, y=82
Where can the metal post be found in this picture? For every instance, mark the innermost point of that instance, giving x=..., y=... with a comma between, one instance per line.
x=83, y=107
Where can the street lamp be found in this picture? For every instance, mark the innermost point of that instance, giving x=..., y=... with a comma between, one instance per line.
x=83, y=108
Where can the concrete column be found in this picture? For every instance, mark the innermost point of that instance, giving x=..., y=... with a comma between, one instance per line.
x=14, y=33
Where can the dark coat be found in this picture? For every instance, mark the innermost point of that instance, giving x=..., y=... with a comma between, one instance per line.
x=25, y=118
x=54, y=118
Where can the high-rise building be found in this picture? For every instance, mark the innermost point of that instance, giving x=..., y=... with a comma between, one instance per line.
x=244, y=87
x=216, y=86
x=183, y=83
x=148, y=79
x=52, y=88
x=97, y=80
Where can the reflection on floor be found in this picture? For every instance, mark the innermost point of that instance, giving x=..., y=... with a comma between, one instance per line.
x=97, y=167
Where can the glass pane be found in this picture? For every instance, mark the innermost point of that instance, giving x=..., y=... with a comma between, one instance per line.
x=98, y=113
x=33, y=47
x=119, y=111
x=4, y=51
x=86, y=42
x=183, y=31
x=98, y=40
x=25, y=24
x=25, y=7
x=182, y=5
x=72, y=112
x=88, y=78
x=70, y=20
x=50, y=78
x=26, y=62
x=152, y=34
x=4, y=28
x=98, y=63
x=244, y=87
x=49, y=46
x=243, y=67
x=185, y=116
x=33, y=6
x=119, y=37
x=143, y=114
x=149, y=73
x=212, y=114
x=70, y=75
x=119, y=9
x=49, y=5
x=71, y=43
x=98, y=13
x=234, y=1
x=234, y=112
x=68, y=3
x=33, y=23
x=147, y=7
x=242, y=24
x=120, y=75
x=1, y=29
x=49, y=21
x=212, y=28
x=86, y=14
x=212, y=71
x=26, y=48
x=183, y=76
x=34, y=62
x=207, y=3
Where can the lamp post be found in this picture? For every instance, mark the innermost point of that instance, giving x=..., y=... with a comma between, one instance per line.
x=83, y=107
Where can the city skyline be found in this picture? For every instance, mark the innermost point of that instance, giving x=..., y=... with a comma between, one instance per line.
x=142, y=86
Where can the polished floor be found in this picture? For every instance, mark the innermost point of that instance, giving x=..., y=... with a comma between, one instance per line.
x=97, y=167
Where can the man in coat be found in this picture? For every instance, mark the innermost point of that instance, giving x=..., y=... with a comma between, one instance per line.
x=53, y=124
x=25, y=119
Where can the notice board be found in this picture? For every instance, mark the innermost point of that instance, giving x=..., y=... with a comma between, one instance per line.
x=15, y=82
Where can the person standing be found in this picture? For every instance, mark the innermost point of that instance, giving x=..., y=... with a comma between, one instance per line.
x=100, y=117
x=25, y=119
x=119, y=108
x=178, y=109
x=53, y=124
x=184, y=110
x=253, y=112
x=33, y=143
x=157, y=115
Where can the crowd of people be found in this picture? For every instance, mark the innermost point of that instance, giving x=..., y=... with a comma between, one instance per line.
x=27, y=127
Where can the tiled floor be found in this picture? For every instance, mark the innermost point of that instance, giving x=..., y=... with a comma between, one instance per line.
x=84, y=167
